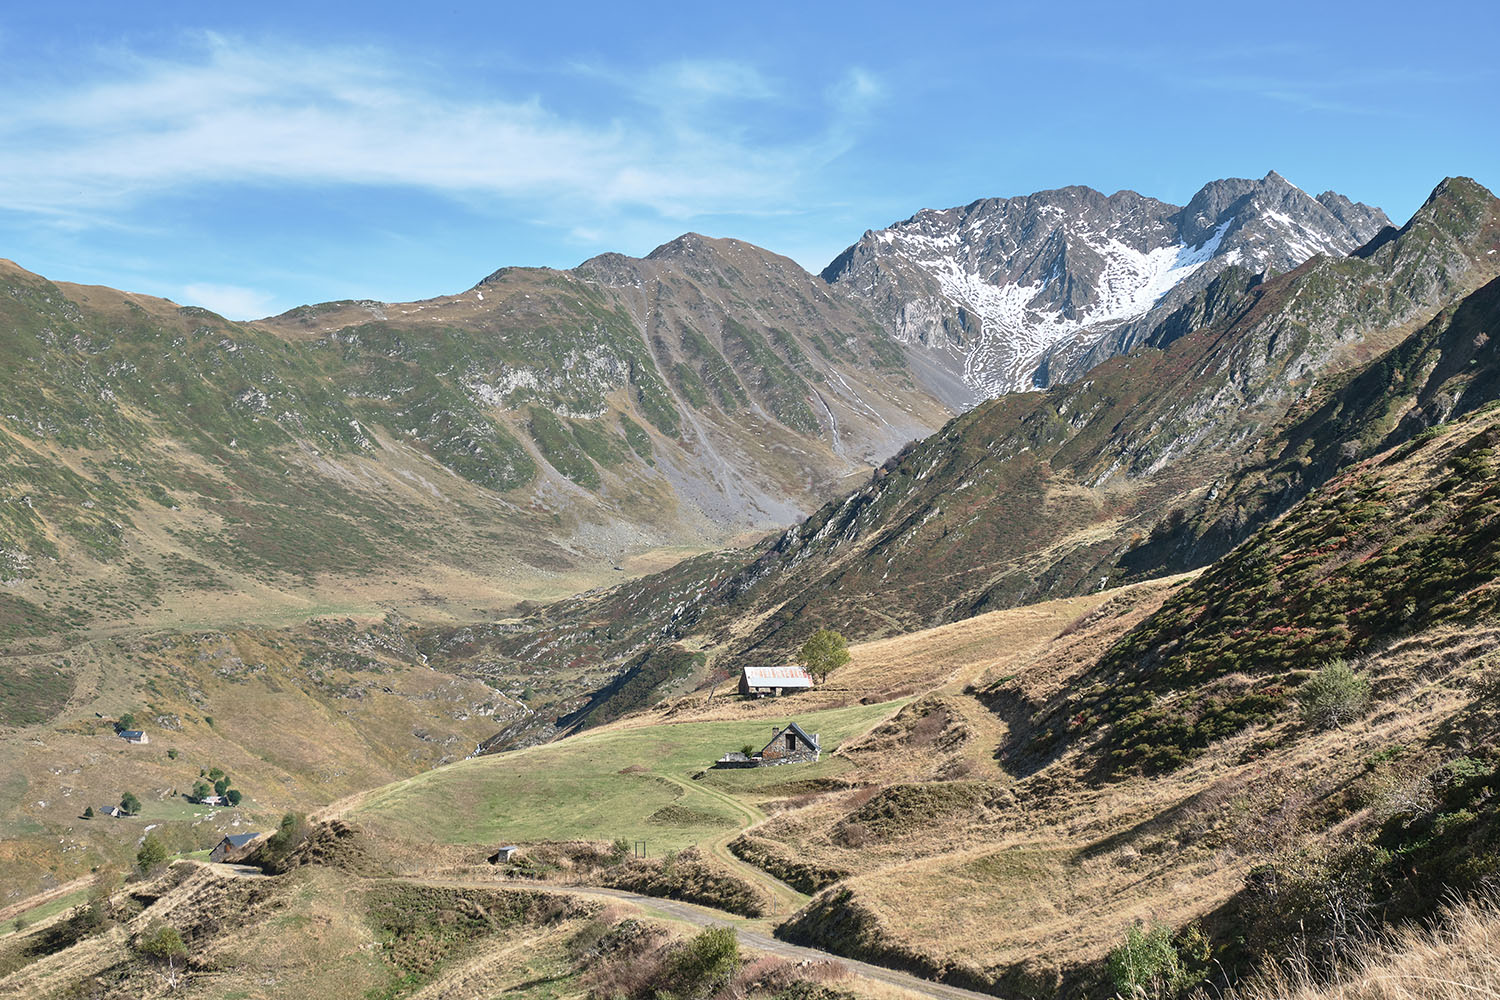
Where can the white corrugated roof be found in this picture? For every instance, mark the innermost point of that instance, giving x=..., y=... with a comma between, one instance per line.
x=785, y=677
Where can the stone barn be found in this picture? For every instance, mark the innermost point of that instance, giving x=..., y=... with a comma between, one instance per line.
x=791, y=745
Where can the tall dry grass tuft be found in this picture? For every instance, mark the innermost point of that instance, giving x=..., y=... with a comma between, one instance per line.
x=1456, y=958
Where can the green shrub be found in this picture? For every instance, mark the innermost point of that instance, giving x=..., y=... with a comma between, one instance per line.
x=290, y=833
x=1334, y=696
x=706, y=964
x=151, y=856
x=1148, y=965
x=130, y=804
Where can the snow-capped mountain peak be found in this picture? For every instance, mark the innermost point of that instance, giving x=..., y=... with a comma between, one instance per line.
x=1005, y=294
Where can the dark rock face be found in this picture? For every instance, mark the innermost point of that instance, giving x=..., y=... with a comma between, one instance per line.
x=1008, y=294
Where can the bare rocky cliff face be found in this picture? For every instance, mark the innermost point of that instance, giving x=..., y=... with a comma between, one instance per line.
x=1009, y=294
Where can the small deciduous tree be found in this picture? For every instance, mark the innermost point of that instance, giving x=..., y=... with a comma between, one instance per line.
x=163, y=944
x=151, y=856
x=1337, y=694
x=221, y=786
x=202, y=789
x=234, y=796
x=125, y=721
x=129, y=804
x=823, y=653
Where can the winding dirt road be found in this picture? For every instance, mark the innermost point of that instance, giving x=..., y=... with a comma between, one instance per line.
x=702, y=916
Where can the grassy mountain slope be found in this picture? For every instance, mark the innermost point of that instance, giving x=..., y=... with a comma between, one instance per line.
x=1036, y=495
x=515, y=441
x=1444, y=370
x=963, y=829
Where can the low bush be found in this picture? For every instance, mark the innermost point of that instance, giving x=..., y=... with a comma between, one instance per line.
x=1333, y=697
x=1149, y=965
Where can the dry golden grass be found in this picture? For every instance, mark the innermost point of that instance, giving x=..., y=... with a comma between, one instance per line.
x=1457, y=958
x=944, y=658
x=1055, y=866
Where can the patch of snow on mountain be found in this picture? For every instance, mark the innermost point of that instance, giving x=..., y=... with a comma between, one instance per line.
x=1296, y=245
x=1014, y=334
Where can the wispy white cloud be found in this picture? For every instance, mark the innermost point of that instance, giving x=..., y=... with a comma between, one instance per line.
x=698, y=81
x=230, y=301
x=231, y=112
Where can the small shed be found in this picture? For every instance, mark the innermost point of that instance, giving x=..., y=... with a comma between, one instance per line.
x=212, y=800
x=134, y=736
x=113, y=811
x=503, y=855
x=758, y=682
x=792, y=745
x=233, y=847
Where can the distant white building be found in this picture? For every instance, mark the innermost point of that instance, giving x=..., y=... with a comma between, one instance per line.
x=758, y=682
x=134, y=736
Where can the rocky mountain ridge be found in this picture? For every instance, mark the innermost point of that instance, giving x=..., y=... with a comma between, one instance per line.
x=1008, y=294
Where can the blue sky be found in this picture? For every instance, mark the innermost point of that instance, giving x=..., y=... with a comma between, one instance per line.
x=252, y=157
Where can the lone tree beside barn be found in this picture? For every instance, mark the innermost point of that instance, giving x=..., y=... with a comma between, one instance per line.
x=823, y=653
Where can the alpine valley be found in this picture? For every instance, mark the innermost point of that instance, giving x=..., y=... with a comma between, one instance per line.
x=1165, y=539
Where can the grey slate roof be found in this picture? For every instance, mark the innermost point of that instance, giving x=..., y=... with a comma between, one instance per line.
x=811, y=740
